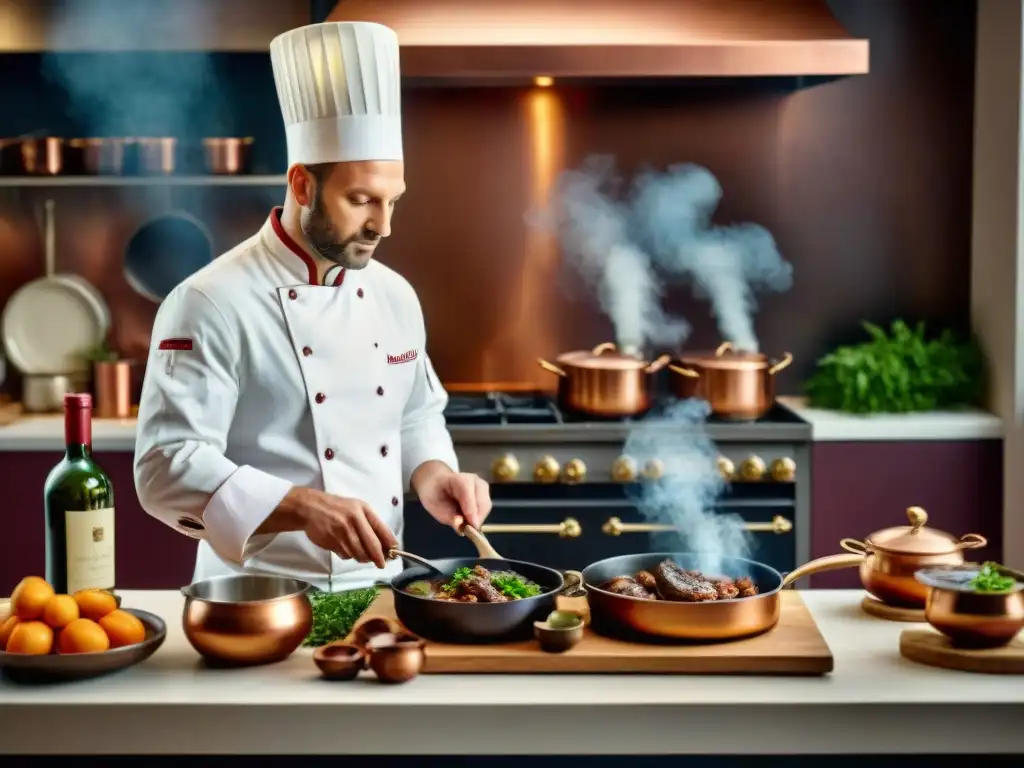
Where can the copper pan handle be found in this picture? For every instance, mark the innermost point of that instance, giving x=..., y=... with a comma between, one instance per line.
x=658, y=364
x=600, y=349
x=687, y=372
x=550, y=367
x=855, y=546
x=724, y=347
x=822, y=564
x=972, y=541
x=787, y=358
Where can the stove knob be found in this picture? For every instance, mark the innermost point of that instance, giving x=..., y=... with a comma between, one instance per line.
x=624, y=470
x=505, y=468
x=726, y=468
x=752, y=469
x=574, y=471
x=653, y=469
x=546, y=470
x=783, y=470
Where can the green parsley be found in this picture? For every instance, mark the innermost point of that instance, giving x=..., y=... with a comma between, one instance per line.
x=335, y=613
x=989, y=579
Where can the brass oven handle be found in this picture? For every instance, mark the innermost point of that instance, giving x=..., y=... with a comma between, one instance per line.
x=614, y=526
x=569, y=528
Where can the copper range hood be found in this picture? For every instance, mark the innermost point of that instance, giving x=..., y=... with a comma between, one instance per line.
x=600, y=39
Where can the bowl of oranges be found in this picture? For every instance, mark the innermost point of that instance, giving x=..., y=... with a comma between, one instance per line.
x=48, y=636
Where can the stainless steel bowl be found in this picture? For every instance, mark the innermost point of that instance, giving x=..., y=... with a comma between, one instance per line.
x=247, y=619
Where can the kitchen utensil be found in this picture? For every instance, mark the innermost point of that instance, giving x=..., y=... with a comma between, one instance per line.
x=50, y=323
x=247, y=619
x=875, y=607
x=795, y=646
x=155, y=156
x=339, y=661
x=32, y=155
x=227, y=156
x=477, y=539
x=604, y=382
x=367, y=632
x=558, y=639
x=164, y=251
x=44, y=393
x=99, y=156
x=393, y=553
x=79, y=666
x=737, y=385
x=969, y=618
x=927, y=647
x=398, y=661
x=892, y=556
x=113, y=383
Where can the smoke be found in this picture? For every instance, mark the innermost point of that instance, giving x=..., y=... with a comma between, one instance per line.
x=726, y=265
x=684, y=497
x=592, y=228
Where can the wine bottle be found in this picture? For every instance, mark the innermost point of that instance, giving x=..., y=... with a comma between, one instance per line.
x=79, y=509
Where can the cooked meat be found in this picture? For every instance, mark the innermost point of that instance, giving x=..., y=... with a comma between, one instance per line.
x=726, y=589
x=676, y=584
x=481, y=589
x=482, y=572
x=746, y=587
x=646, y=580
x=623, y=585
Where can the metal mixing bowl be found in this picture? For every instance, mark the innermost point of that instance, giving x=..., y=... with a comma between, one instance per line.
x=247, y=619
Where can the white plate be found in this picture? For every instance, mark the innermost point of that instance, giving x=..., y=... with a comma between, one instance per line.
x=49, y=325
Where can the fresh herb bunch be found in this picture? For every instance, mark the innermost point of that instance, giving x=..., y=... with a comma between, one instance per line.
x=899, y=372
x=989, y=579
x=335, y=613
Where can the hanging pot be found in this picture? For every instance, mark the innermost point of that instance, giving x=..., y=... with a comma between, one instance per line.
x=164, y=251
x=604, y=382
x=737, y=385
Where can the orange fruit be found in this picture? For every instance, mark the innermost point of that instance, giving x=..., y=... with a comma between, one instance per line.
x=31, y=637
x=123, y=628
x=30, y=598
x=5, y=630
x=60, y=611
x=95, y=603
x=83, y=636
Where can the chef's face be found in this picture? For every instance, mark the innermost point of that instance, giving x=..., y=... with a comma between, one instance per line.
x=348, y=209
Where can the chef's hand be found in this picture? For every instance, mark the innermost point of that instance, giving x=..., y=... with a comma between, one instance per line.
x=346, y=526
x=449, y=496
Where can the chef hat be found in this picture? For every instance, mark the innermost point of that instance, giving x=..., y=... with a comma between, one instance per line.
x=339, y=88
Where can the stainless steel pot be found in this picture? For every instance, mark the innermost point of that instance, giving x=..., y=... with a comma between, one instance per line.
x=44, y=393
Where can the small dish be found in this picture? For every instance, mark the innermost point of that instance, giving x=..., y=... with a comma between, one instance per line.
x=561, y=631
x=396, y=659
x=375, y=631
x=969, y=618
x=339, y=661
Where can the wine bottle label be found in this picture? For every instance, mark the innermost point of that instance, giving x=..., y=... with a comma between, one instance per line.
x=90, y=549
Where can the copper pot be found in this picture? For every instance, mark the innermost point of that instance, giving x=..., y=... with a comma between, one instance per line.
x=972, y=619
x=604, y=382
x=100, y=156
x=227, y=157
x=247, y=619
x=113, y=382
x=156, y=157
x=892, y=556
x=737, y=385
x=32, y=156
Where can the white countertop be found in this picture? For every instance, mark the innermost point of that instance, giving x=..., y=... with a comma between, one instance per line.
x=835, y=426
x=874, y=702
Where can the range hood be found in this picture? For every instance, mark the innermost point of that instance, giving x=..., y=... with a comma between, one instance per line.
x=600, y=39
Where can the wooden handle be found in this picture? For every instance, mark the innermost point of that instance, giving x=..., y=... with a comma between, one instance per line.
x=483, y=546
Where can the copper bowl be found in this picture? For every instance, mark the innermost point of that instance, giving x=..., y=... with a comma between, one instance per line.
x=247, y=619
x=398, y=660
x=971, y=619
x=340, y=661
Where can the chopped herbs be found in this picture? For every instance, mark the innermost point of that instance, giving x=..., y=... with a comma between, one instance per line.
x=989, y=579
x=514, y=586
x=460, y=575
x=335, y=613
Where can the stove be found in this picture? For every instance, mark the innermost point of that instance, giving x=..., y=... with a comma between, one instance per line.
x=565, y=490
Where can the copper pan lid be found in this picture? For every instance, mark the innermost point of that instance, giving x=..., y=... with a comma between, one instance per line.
x=917, y=539
x=603, y=357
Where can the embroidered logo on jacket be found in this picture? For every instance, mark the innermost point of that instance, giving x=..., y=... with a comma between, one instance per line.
x=405, y=357
x=179, y=345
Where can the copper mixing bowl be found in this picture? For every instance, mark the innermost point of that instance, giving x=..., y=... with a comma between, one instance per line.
x=247, y=619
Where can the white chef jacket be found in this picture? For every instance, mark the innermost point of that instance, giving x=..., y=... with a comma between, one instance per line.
x=259, y=380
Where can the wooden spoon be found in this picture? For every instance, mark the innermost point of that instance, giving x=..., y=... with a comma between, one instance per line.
x=483, y=546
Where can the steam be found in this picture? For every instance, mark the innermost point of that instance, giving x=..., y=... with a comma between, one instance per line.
x=727, y=265
x=685, y=495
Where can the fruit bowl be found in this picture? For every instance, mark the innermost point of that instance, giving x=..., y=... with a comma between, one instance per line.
x=54, y=667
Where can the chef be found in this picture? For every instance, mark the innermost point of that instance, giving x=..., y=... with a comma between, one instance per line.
x=289, y=401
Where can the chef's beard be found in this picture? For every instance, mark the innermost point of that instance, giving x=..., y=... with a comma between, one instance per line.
x=352, y=252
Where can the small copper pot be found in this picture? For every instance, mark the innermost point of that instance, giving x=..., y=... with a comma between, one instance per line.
x=156, y=157
x=41, y=156
x=892, y=556
x=737, y=385
x=99, y=156
x=604, y=382
x=972, y=619
x=227, y=157
x=113, y=382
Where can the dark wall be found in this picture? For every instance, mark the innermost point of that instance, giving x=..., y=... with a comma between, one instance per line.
x=865, y=183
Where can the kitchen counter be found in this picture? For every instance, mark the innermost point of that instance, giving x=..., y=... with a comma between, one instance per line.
x=874, y=702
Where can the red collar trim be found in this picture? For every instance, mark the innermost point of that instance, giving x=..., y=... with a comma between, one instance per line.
x=291, y=245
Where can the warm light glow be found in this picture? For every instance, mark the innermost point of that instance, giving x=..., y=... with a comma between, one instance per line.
x=543, y=81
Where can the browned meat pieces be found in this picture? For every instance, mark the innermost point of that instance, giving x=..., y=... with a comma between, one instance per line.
x=676, y=584
x=646, y=580
x=746, y=587
x=726, y=589
x=623, y=585
x=479, y=587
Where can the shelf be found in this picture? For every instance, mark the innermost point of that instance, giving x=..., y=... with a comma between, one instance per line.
x=142, y=181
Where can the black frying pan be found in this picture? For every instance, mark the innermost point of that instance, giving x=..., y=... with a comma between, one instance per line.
x=445, y=621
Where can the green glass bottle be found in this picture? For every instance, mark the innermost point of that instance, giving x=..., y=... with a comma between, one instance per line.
x=79, y=509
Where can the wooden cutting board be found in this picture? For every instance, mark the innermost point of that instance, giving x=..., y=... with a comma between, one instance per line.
x=793, y=647
x=927, y=647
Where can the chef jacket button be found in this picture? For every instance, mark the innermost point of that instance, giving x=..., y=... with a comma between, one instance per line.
x=306, y=351
x=383, y=450
x=380, y=390
x=328, y=454
x=320, y=397
x=359, y=293
x=375, y=345
x=394, y=501
x=293, y=294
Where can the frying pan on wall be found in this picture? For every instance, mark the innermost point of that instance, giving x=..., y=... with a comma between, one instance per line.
x=164, y=251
